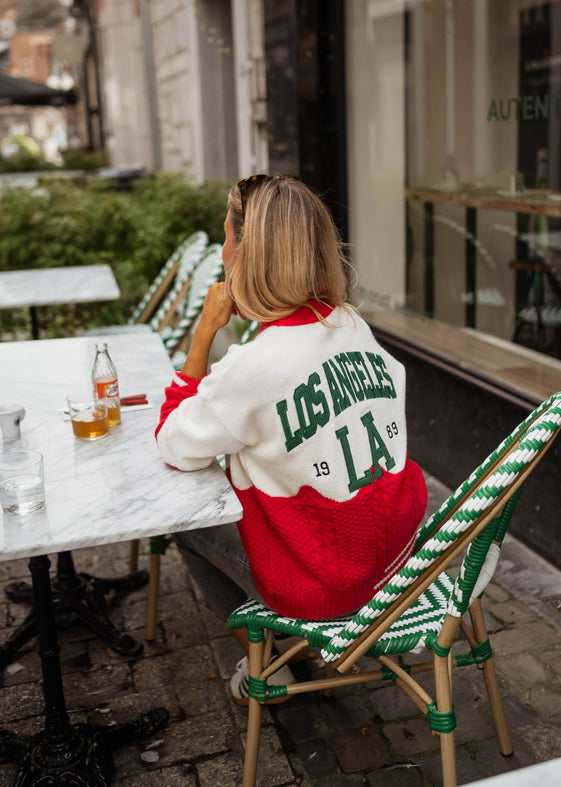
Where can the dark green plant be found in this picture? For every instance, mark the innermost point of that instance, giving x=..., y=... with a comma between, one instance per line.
x=24, y=161
x=89, y=160
x=63, y=224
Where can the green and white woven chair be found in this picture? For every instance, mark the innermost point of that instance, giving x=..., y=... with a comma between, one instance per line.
x=420, y=608
x=250, y=331
x=207, y=271
x=173, y=305
x=169, y=286
x=176, y=337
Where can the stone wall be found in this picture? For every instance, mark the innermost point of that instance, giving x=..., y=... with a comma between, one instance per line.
x=176, y=59
x=127, y=127
x=184, y=85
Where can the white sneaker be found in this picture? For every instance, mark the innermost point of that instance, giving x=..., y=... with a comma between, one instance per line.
x=239, y=682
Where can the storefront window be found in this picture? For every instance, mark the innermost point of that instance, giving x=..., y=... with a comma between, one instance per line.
x=455, y=162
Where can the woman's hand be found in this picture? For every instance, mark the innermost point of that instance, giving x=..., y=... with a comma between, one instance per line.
x=217, y=309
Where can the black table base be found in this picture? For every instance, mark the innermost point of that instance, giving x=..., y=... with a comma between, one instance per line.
x=64, y=754
x=75, y=597
x=82, y=759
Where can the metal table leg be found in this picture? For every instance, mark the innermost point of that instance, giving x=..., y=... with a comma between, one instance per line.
x=64, y=753
x=76, y=596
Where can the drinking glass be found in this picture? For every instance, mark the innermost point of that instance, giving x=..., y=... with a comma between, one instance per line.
x=22, y=482
x=88, y=416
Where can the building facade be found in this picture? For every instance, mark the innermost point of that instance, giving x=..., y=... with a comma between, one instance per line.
x=184, y=85
x=431, y=127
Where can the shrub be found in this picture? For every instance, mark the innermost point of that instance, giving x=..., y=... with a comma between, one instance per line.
x=27, y=156
x=77, y=158
x=62, y=224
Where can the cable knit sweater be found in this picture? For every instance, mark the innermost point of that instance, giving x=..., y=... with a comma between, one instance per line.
x=311, y=416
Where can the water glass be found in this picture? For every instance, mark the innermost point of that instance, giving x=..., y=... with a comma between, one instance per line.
x=88, y=415
x=22, y=482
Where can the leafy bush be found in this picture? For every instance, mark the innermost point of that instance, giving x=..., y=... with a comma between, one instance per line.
x=62, y=224
x=77, y=158
x=27, y=156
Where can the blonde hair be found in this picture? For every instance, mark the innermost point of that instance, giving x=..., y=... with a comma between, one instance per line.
x=287, y=250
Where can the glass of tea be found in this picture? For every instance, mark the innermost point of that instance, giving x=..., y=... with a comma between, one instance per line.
x=88, y=416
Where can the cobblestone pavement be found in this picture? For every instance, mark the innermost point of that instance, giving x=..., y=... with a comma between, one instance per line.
x=366, y=735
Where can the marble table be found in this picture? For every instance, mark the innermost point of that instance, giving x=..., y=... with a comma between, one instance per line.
x=114, y=489
x=51, y=286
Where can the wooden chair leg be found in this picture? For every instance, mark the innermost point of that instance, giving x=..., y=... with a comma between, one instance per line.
x=443, y=690
x=448, y=756
x=328, y=672
x=254, y=718
x=491, y=682
x=133, y=557
x=153, y=592
x=444, y=705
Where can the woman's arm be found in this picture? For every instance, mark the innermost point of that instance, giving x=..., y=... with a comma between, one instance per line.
x=186, y=442
x=217, y=310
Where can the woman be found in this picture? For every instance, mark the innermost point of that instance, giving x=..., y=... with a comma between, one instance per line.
x=311, y=417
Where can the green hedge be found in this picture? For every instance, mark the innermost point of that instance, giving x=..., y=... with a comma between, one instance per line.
x=133, y=231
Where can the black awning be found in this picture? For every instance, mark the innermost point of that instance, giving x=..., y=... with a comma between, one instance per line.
x=23, y=92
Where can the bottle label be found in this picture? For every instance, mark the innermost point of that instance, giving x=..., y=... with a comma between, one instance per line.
x=109, y=389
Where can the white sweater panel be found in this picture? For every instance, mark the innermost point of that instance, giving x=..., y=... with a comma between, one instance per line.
x=271, y=405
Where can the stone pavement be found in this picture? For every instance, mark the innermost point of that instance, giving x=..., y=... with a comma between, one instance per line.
x=366, y=735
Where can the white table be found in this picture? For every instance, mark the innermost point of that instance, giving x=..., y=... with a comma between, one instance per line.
x=546, y=774
x=51, y=286
x=114, y=489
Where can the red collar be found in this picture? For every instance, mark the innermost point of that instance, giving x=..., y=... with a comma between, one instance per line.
x=303, y=315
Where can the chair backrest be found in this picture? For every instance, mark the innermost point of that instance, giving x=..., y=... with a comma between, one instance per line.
x=250, y=331
x=162, y=282
x=485, y=500
x=209, y=270
x=190, y=259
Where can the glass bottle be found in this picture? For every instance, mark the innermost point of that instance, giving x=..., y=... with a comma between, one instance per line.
x=105, y=382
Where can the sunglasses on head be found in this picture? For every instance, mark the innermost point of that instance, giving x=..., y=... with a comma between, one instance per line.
x=247, y=184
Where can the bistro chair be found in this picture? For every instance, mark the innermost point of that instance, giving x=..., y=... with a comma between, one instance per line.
x=420, y=608
x=157, y=308
x=250, y=331
x=209, y=270
x=177, y=335
x=540, y=310
x=192, y=268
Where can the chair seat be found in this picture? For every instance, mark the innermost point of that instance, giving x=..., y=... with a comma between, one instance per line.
x=424, y=617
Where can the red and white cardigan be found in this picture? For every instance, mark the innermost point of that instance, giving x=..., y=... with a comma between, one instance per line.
x=311, y=416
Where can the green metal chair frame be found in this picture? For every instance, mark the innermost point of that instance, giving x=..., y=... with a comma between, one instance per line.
x=420, y=608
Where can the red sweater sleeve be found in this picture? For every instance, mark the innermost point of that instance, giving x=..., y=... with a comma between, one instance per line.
x=182, y=387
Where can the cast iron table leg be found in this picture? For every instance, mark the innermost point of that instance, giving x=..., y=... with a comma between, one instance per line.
x=76, y=596
x=77, y=755
x=34, y=322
